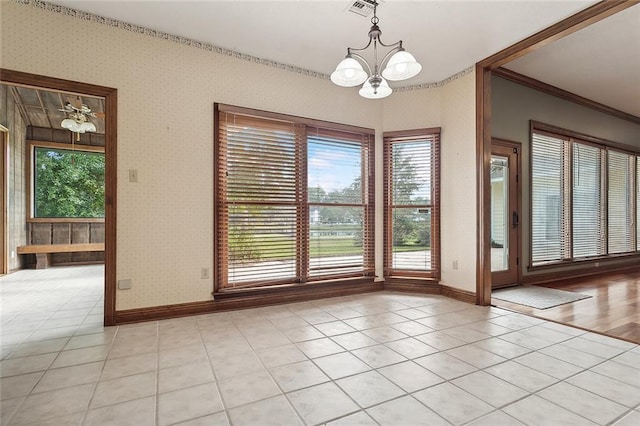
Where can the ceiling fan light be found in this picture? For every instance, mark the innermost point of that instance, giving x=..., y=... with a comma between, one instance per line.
x=349, y=73
x=401, y=66
x=88, y=126
x=367, y=90
x=69, y=124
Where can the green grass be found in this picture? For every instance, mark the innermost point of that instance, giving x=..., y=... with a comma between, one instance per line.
x=337, y=245
x=407, y=248
x=325, y=246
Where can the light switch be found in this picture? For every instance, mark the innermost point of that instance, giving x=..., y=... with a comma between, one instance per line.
x=124, y=284
x=133, y=175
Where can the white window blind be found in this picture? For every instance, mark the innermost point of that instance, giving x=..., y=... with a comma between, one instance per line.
x=620, y=202
x=548, y=198
x=587, y=205
x=585, y=199
x=411, y=204
x=336, y=201
x=258, y=168
x=294, y=202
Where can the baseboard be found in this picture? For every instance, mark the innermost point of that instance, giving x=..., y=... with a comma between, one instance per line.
x=576, y=273
x=428, y=286
x=242, y=302
x=412, y=285
x=258, y=299
x=458, y=294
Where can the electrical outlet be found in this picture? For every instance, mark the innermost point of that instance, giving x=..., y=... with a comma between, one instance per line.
x=133, y=175
x=13, y=254
x=455, y=265
x=124, y=284
x=204, y=273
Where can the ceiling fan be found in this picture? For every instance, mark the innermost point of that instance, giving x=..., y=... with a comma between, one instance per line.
x=78, y=114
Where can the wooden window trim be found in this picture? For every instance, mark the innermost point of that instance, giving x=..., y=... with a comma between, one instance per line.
x=302, y=247
x=435, y=273
x=31, y=145
x=562, y=133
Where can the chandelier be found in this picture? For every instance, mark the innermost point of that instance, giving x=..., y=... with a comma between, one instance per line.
x=400, y=65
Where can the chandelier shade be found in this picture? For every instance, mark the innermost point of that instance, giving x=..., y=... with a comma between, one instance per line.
x=370, y=92
x=349, y=73
x=398, y=64
x=401, y=66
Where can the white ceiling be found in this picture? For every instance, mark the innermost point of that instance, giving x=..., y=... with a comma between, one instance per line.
x=600, y=62
x=446, y=36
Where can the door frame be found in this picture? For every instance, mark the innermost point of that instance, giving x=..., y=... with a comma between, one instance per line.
x=4, y=228
x=483, y=71
x=110, y=95
x=517, y=149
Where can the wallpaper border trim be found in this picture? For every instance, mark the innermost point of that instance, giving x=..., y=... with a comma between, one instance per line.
x=86, y=16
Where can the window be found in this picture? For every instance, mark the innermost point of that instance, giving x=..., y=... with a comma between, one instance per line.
x=620, y=202
x=582, y=198
x=67, y=182
x=411, y=199
x=294, y=200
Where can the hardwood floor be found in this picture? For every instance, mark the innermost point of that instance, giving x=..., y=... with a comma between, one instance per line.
x=613, y=309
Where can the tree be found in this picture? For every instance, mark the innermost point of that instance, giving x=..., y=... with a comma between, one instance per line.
x=68, y=183
x=405, y=184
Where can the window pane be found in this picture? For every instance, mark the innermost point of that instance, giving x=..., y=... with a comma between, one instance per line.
x=334, y=173
x=334, y=170
x=261, y=163
x=261, y=243
x=500, y=218
x=258, y=183
x=409, y=192
x=587, y=209
x=335, y=240
x=68, y=183
x=411, y=238
x=411, y=172
x=547, y=198
x=619, y=170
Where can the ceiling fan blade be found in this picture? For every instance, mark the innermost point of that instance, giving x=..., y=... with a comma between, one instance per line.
x=99, y=114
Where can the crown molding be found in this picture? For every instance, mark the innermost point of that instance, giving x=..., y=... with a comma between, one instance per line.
x=563, y=94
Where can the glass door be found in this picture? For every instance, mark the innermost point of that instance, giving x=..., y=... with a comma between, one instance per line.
x=505, y=214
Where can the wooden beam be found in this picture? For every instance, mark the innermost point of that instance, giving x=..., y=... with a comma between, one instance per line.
x=576, y=22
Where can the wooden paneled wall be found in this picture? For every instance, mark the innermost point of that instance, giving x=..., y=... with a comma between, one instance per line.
x=68, y=233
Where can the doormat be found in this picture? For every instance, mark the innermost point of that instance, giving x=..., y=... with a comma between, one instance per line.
x=538, y=297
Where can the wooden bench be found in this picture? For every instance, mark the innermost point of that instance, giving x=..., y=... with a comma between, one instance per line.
x=43, y=252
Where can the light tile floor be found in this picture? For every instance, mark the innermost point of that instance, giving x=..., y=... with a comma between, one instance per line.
x=383, y=358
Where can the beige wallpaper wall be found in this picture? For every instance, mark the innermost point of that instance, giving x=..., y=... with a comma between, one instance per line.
x=165, y=95
x=459, y=182
x=451, y=107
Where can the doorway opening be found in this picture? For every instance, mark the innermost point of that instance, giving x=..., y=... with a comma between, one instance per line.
x=74, y=235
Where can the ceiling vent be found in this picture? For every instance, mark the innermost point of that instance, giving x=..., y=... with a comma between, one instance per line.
x=362, y=7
